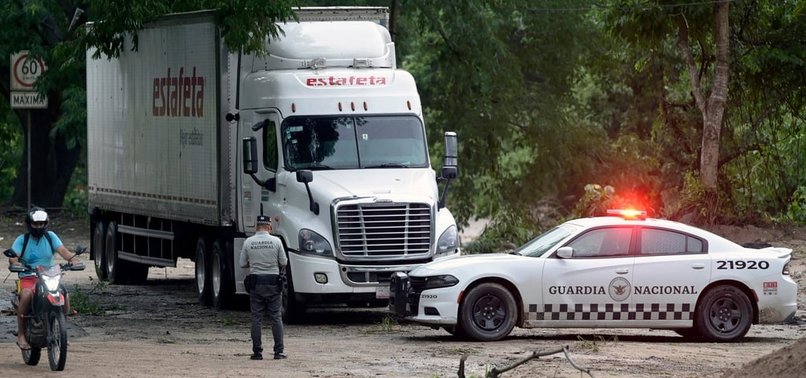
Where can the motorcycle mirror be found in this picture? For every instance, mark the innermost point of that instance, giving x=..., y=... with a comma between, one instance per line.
x=10, y=253
x=79, y=249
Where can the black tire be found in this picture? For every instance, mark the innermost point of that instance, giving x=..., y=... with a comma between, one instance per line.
x=31, y=356
x=456, y=331
x=688, y=333
x=57, y=345
x=293, y=309
x=203, y=271
x=98, y=251
x=136, y=273
x=724, y=314
x=488, y=312
x=222, y=283
x=114, y=269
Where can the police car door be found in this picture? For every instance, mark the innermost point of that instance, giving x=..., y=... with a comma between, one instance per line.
x=671, y=269
x=591, y=287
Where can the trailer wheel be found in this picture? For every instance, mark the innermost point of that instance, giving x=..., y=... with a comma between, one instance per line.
x=114, y=271
x=98, y=251
x=223, y=285
x=203, y=271
x=136, y=273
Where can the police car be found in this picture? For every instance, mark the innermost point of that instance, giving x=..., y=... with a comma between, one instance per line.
x=621, y=271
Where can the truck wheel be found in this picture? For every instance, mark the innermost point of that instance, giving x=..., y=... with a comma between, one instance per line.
x=293, y=309
x=203, y=271
x=223, y=285
x=488, y=312
x=114, y=271
x=724, y=314
x=136, y=273
x=98, y=251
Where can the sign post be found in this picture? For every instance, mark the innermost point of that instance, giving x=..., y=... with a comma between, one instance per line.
x=25, y=70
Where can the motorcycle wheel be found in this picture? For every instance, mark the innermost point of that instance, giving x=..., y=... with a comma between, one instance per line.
x=31, y=356
x=57, y=344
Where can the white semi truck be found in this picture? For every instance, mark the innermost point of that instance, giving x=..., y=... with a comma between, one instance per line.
x=188, y=141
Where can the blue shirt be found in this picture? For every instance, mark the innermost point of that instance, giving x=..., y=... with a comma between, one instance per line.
x=38, y=251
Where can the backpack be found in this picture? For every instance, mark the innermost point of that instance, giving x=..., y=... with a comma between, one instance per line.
x=28, y=237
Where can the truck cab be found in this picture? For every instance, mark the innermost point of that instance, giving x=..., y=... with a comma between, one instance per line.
x=335, y=151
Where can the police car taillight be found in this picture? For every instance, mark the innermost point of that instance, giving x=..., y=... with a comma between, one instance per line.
x=785, y=271
x=627, y=213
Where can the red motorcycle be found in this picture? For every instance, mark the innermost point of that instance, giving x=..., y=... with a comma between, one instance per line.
x=45, y=320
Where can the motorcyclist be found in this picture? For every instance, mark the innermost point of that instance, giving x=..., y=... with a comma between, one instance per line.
x=36, y=248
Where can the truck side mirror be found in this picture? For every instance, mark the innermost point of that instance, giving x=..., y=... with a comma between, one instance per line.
x=305, y=177
x=249, y=155
x=450, y=168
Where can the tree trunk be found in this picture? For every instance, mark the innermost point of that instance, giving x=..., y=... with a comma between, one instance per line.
x=715, y=107
x=712, y=108
x=52, y=162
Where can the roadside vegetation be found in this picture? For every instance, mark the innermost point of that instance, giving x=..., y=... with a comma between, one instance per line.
x=563, y=107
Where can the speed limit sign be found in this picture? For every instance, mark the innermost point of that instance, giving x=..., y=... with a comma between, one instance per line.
x=24, y=71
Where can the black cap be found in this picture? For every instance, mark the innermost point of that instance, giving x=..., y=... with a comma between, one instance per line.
x=262, y=219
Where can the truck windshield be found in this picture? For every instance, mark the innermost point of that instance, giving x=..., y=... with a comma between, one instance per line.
x=354, y=142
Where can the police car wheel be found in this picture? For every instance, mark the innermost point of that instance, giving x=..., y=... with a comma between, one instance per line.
x=725, y=314
x=689, y=333
x=488, y=312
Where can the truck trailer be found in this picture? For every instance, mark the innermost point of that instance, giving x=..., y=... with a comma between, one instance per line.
x=189, y=140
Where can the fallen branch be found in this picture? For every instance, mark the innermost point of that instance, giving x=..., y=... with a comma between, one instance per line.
x=495, y=372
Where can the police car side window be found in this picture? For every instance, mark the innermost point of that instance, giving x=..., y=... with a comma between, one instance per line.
x=663, y=242
x=612, y=241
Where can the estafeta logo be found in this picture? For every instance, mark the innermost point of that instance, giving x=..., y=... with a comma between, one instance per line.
x=179, y=95
x=345, y=81
x=619, y=289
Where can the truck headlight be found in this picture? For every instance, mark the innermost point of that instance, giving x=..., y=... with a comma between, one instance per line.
x=436, y=282
x=314, y=244
x=448, y=241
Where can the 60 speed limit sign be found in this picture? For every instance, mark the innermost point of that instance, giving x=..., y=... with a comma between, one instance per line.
x=24, y=71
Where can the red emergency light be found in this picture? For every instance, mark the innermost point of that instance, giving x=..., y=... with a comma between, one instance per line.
x=627, y=213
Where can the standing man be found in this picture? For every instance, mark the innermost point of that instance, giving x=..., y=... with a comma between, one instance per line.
x=265, y=257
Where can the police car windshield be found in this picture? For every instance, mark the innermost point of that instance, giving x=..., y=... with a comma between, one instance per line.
x=541, y=244
x=370, y=142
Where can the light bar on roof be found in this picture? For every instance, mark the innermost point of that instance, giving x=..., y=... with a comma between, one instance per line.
x=627, y=213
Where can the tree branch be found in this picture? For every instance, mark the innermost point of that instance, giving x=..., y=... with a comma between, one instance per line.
x=682, y=43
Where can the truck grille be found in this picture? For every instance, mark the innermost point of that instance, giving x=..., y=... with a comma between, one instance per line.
x=391, y=230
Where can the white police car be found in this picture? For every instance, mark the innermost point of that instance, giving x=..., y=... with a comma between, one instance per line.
x=622, y=271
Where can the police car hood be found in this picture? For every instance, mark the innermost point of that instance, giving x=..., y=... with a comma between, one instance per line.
x=488, y=261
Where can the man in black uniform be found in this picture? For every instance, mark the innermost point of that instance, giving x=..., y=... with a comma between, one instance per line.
x=265, y=257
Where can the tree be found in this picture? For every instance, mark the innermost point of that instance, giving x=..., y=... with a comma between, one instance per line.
x=500, y=74
x=51, y=30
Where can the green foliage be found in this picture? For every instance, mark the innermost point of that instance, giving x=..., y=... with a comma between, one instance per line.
x=595, y=202
x=244, y=23
x=11, y=141
x=796, y=212
x=86, y=302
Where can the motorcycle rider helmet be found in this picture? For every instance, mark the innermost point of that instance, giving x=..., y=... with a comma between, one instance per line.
x=36, y=215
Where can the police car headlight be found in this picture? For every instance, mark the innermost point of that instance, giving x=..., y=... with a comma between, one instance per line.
x=52, y=283
x=436, y=282
x=314, y=244
x=448, y=241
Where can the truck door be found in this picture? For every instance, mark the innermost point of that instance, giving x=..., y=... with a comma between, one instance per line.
x=252, y=193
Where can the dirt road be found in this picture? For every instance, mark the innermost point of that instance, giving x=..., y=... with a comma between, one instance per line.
x=159, y=330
